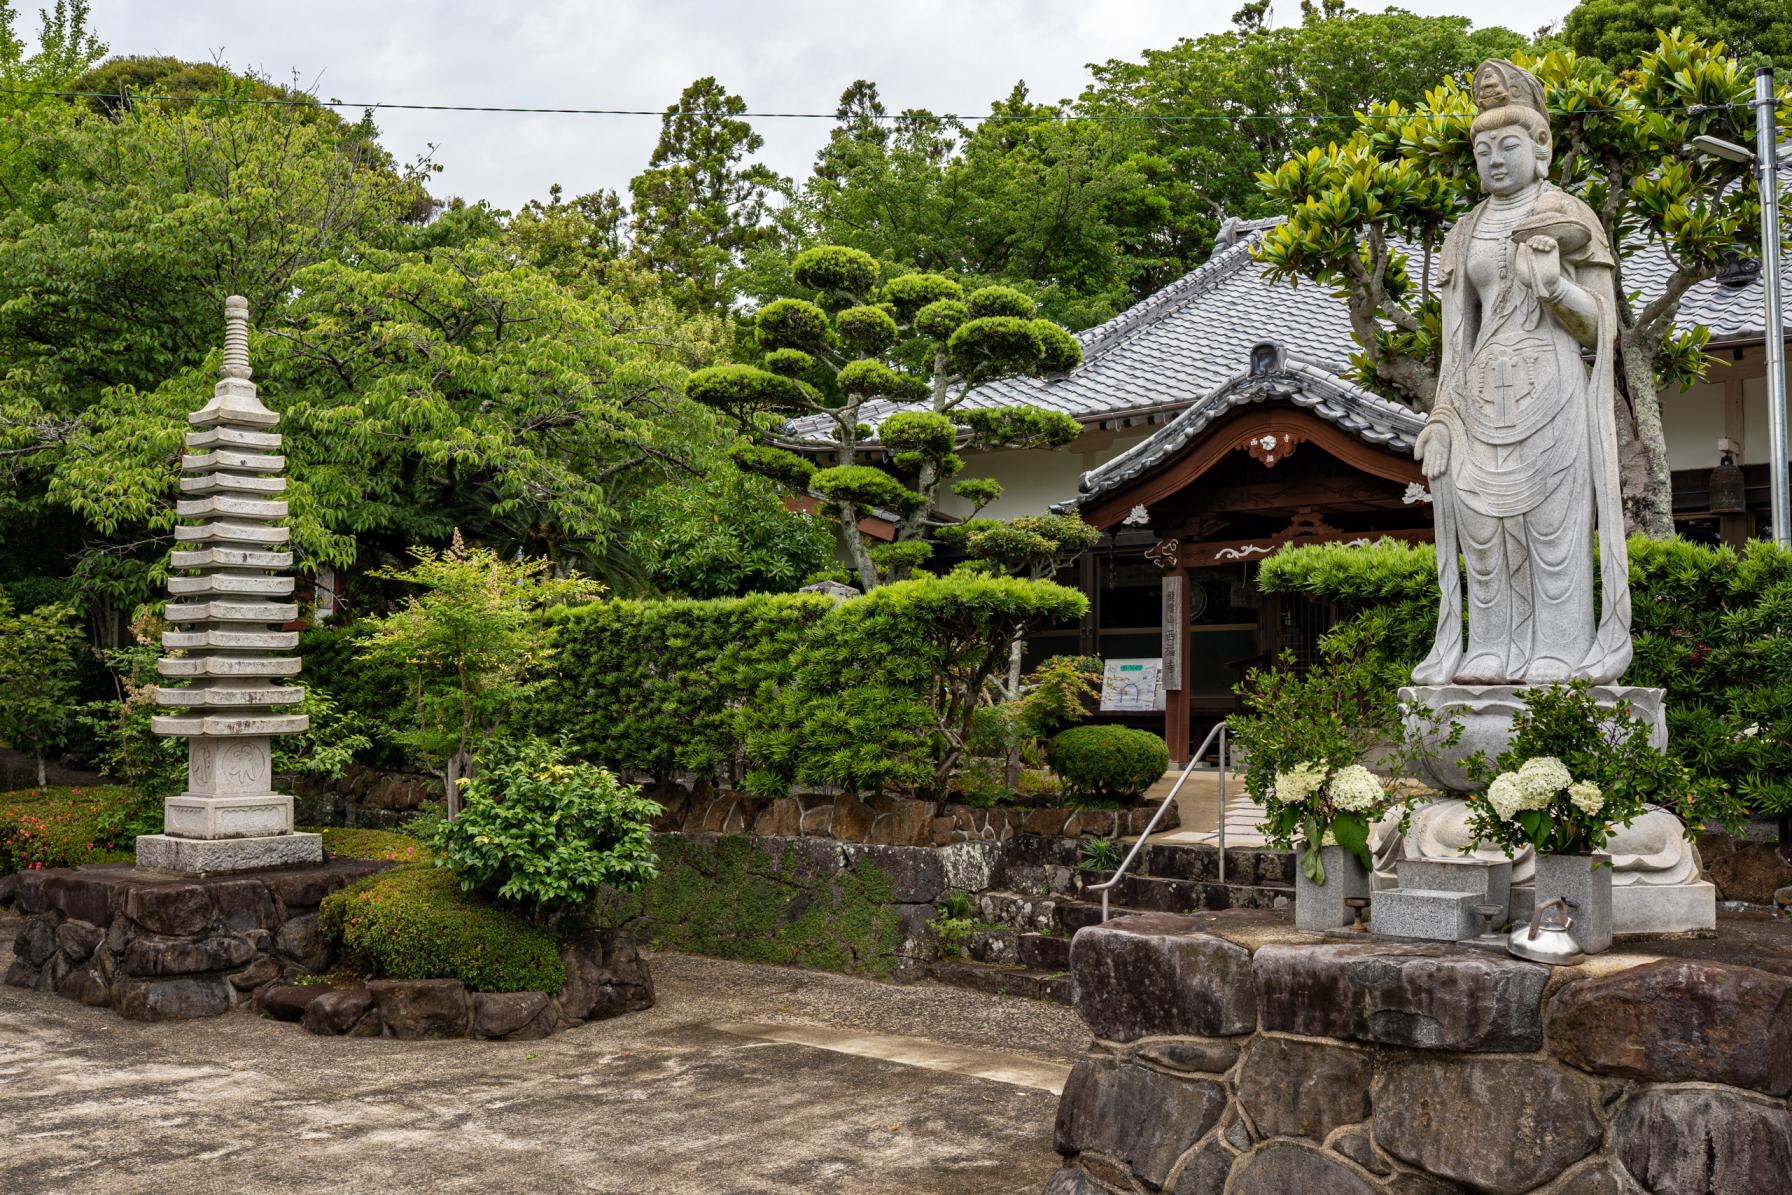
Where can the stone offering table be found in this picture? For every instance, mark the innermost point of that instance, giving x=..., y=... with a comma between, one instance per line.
x=1234, y=1055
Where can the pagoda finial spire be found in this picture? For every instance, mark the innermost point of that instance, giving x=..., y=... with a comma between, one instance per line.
x=236, y=338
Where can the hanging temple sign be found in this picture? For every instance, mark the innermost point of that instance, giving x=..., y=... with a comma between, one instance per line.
x=230, y=589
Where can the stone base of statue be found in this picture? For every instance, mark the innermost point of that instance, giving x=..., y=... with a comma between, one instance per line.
x=165, y=852
x=1658, y=884
x=1486, y=712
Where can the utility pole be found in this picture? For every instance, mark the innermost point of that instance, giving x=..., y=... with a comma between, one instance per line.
x=1767, y=165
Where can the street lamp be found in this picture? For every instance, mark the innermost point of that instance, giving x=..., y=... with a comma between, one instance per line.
x=1765, y=159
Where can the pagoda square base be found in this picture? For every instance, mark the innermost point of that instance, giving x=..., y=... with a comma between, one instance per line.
x=244, y=815
x=192, y=856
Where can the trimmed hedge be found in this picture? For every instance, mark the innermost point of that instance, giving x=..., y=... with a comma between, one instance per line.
x=416, y=923
x=389, y=845
x=1713, y=627
x=1107, y=763
x=658, y=686
x=66, y=827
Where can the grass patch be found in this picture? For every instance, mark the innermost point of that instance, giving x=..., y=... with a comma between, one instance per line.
x=67, y=826
x=416, y=923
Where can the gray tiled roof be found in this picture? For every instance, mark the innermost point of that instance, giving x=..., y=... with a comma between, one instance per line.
x=1189, y=338
x=1273, y=377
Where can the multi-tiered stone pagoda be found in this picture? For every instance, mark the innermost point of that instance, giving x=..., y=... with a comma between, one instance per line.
x=228, y=601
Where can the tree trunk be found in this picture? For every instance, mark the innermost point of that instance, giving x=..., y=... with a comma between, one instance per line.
x=458, y=767
x=856, y=548
x=42, y=779
x=1648, y=481
x=1012, y=779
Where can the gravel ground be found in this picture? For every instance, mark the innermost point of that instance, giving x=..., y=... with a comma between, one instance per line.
x=651, y=1102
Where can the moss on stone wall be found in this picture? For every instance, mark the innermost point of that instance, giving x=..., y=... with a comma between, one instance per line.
x=776, y=900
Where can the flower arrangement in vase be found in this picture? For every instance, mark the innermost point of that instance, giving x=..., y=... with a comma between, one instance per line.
x=1327, y=806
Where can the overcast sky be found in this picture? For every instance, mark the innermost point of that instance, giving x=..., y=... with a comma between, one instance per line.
x=782, y=55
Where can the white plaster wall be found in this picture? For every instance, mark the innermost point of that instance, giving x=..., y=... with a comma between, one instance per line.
x=1034, y=479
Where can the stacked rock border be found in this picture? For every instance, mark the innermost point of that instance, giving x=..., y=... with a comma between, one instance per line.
x=605, y=977
x=1230, y=1060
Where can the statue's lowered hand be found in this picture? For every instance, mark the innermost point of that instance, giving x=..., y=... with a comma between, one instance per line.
x=1540, y=265
x=1433, y=450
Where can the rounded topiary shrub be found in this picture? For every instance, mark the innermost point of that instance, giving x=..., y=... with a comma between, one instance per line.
x=1107, y=763
x=416, y=923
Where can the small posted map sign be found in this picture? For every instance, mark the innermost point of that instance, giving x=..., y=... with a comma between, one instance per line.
x=1131, y=686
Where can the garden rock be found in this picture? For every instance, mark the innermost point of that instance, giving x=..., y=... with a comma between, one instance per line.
x=334, y=1012
x=1205, y=1170
x=1690, y=1142
x=1069, y=1180
x=178, y=910
x=35, y=943
x=288, y=1001
x=259, y=973
x=301, y=941
x=246, y=905
x=78, y=939
x=1427, y=997
x=1678, y=1020
x=179, y=956
x=1303, y=1089
x=501, y=1014
x=1505, y=1126
x=1283, y=1167
x=1142, y=1117
x=82, y=893
x=915, y=874
x=421, y=1009
x=170, y=999
x=1152, y=975
x=1207, y=1057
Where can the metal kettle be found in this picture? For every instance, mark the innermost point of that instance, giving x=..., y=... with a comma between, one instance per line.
x=1545, y=938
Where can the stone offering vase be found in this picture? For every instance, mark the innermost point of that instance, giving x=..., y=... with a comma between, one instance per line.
x=1585, y=881
x=1320, y=907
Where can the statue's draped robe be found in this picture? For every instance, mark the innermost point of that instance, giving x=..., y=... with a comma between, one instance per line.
x=1532, y=463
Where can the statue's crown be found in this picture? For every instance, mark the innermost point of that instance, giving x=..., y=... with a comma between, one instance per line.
x=1501, y=84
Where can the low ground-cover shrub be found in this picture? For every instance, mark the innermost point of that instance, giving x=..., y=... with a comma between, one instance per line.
x=390, y=845
x=546, y=836
x=1107, y=763
x=417, y=923
x=65, y=827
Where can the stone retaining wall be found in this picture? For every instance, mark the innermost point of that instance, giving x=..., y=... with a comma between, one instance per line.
x=1234, y=1056
x=162, y=948
x=884, y=819
x=362, y=796
x=605, y=977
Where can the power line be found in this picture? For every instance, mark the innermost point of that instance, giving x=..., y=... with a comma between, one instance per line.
x=274, y=101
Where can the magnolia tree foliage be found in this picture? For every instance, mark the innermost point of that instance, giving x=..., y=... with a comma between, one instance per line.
x=473, y=642
x=917, y=341
x=1366, y=216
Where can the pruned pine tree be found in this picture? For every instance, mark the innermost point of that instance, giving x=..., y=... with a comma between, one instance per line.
x=917, y=341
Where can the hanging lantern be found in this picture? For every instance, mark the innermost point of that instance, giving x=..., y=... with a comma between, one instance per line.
x=1728, y=496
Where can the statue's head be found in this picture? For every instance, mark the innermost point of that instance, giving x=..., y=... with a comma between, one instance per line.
x=1511, y=133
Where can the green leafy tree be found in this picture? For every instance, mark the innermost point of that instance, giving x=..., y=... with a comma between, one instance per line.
x=1620, y=143
x=700, y=204
x=1217, y=109
x=917, y=340
x=725, y=533
x=38, y=677
x=474, y=643
x=1621, y=31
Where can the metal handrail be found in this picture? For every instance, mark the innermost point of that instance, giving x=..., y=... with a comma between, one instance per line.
x=1218, y=732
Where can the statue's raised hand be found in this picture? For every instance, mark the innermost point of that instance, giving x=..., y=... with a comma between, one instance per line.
x=1433, y=450
x=1540, y=266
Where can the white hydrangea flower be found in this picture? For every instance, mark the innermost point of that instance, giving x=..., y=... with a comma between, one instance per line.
x=1542, y=778
x=1506, y=795
x=1355, y=789
x=1586, y=797
x=1299, y=782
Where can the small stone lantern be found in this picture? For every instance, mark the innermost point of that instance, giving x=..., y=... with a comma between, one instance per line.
x=228, y=599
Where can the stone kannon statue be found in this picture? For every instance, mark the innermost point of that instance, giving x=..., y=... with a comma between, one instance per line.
x=1521, y=452
x=1521, y=449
